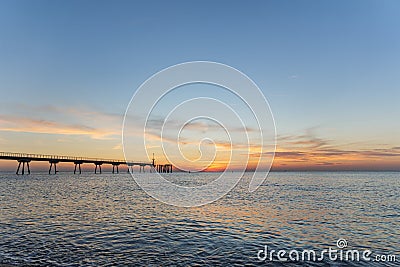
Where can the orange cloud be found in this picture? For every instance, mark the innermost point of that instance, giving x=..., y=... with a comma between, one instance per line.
x=21, y=124
x=308, y=152
x=305, y=151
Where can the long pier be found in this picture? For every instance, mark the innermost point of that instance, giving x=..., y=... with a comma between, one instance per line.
x=24, y=159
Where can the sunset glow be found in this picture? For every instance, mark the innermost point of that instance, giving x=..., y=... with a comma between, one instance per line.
x=335, y=106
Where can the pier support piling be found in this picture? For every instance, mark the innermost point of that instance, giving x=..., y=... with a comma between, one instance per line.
x=166, y=168
x=23, y=161
x=53, y=163
x=78, y=164
x=99, y=165
x=130, y=168
x=116, y=165
x=19, y=165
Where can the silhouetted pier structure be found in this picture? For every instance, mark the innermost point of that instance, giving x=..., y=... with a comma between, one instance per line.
x=165, y=168
x=25, y=159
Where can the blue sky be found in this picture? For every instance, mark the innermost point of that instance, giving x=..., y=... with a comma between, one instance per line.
x=329, y=67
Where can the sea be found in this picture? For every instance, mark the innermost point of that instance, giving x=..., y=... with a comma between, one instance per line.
x=108, y=220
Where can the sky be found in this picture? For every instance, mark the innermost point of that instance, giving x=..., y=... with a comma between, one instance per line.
x=330, y=71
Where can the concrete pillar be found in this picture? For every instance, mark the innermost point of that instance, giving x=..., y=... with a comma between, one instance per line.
x=23, y=161
x=99, y=165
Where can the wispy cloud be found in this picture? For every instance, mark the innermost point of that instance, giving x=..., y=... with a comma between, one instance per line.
x=312, y=155
x=62, y=121
x=19, y=124
x=118, y=147
x=308, y=150
x=201, y=125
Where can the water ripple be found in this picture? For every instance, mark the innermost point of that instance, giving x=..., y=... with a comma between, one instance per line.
x=107, y=220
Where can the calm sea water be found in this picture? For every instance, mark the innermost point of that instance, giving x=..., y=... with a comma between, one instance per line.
x=107, y=220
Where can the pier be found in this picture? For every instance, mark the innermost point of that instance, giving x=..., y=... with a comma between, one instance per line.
x=24, y=160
